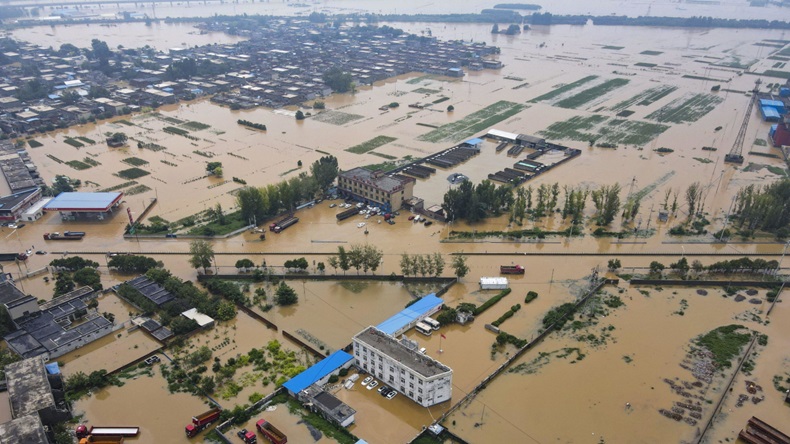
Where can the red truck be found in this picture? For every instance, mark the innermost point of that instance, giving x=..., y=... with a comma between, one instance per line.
x=200, y=422
x=270, y=432
x=511, y=269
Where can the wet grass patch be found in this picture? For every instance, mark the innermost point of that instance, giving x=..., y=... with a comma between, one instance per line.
x=174, y=130
x=135, y=161
x=613, y=48
x=336, y=117
x=778, y=74
x=426, y=91
x=707, y=79
x=118, y=187
x=132, y=173
x=73, y=142
x=137, y=189
x=591, y=94
x=651, y=52
x=686, y=109
x=86, y=140
x=646, y=97
x=760, y=142
x=78, y=164
x=383, y=166
x=33, y=143
x=384, y=156
x=473, y=123
x=625, y=113
x=702, y=160
x=645, y=64
x=725, y=343
x=371, y=144
x=355, y=287
x=563, y=89
x=197, y=126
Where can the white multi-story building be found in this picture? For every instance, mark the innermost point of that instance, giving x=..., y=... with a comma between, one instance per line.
x=422, y=378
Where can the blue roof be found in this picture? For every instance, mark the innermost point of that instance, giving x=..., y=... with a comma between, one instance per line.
x=317, y=371
x=769, y=113
x=82, y=201
x=410, y=314
x=474, y=141
x=766, y=102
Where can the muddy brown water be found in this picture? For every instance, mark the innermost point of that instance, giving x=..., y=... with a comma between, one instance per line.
x=518, y=408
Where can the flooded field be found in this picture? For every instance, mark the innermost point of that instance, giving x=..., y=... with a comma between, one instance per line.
x=588, y=379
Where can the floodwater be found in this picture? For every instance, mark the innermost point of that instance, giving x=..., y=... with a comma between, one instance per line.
x=735, y=9
x=593, y=391
x=158, y=35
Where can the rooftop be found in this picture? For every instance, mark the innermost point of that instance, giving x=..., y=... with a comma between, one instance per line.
x=9, y=293
x=388, y=184
x=27, y=429
x=28, y=387
x=202, y=319
x=336, y=408
x=77, y=201
x=13, y=200
x=410, y=314
x=387, y=345
x=151, y=290
x=318, y=371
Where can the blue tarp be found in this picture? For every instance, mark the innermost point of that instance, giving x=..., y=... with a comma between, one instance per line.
x=769, y=113
x=53, y=369
x=410, y=314
x=473, y=142
x=317, y=371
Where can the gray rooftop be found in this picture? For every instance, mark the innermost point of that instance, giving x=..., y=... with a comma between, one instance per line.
x=151, y=290
x=387, y=345
x=9, y=293
x=27, y=429
x=387, y=184
x=28, y=387
x=328, y=403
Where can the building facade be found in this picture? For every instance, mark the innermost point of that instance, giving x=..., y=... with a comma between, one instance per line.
x=376, y=188
x=415, y=375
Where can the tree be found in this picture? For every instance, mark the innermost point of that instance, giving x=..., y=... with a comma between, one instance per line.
x=656, y=268
x=211, y=167
x=70, y=97
x=343, y=260
x=63, y=283
x=459, y=266
x=319, y=104
x=333, y=262
x=246, y=264
x=321, y=267
x=118, y=137
x=614, y=264
x=226, y=311
x=338, y=80
x=324, y=171
x=438, y=264
x=88, y=276
x=181, y=325
x=693, y=195
x=405, y=264
x=495, y=29
x=202, y=254
x=299, y=115
x=285, y=295
x=61, y=184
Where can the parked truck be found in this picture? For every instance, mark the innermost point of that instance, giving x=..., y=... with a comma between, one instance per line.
x=511, y=269
x=343, y=215
x=68, y=235
x=270, y=432
x=285, y=223
x=200, y=422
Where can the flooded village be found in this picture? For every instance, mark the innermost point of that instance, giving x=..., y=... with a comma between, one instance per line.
x=285, y=224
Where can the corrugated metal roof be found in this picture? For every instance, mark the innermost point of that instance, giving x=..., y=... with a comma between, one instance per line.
x=410, y=314
x=82, y=201
x=317, y=371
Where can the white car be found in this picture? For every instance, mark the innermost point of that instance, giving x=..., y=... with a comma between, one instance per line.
x=367, y=380
x=373, y=385
x=391, y=394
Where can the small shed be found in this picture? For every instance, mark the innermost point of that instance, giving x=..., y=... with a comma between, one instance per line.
x=770, y=114
x=493, y=283
x=474, y=143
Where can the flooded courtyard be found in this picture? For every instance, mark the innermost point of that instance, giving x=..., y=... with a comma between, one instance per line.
x=607, y=374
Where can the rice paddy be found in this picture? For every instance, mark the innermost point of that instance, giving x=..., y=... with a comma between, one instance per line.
x=686, y=109
x=590, y=94
x=563, y=89
x=473, y=123
x=336, y=117
x=605, y=130
x=371, y=144
x=646, y=97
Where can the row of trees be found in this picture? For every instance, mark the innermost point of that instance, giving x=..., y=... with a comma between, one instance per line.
x=764, y=208
x=473, y=203
x=423, y=264
x=364, y=257
x=261, y=203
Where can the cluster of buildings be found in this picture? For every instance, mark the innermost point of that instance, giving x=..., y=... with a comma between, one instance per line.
x=377, y=351
x=281, y=64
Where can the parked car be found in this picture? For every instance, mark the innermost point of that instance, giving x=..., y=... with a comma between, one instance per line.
x=383, y=389
x=367, y=380
x=373, y=385
x=391, y=394
x=428, y=223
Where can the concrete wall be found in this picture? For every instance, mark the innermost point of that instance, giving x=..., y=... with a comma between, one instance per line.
x=21, y=310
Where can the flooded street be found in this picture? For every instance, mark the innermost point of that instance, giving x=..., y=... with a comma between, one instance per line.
x=567, y=377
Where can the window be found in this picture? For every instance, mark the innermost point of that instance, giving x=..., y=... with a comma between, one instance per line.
x=402, y=380
x=392, y=379
x=419, y=390
x=411, y=385
x=392, y=369
x=419, y=381
x=411, y=376
x=419, y=399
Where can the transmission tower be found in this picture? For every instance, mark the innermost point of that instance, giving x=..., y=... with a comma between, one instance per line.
x=735, y=155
